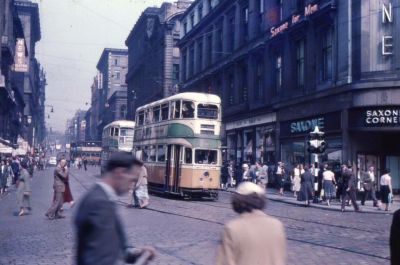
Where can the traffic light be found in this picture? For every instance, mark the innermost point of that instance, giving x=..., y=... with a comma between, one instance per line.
x=316, y=143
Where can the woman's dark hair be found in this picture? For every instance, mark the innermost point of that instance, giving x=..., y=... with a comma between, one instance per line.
x=247, y=203
x=24, y=163
x=122, y=160
x=386, y=171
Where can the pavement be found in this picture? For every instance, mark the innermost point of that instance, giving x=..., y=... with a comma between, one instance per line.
x=188, y=232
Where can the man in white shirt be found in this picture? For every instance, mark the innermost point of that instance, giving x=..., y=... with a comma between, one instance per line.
x=369, y=183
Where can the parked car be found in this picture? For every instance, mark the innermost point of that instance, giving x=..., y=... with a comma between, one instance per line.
x=52, y=161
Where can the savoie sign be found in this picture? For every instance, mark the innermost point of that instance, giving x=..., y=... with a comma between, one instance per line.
x=307, y=125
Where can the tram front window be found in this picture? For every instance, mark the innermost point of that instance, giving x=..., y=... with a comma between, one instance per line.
x=207, y=111
x=127, y=132
x=187, y=109
x=206, y=157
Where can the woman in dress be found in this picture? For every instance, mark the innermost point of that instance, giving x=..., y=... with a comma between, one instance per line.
x=386, y=188
x=328, y=182
x=296, y=180
x=141, y=194
x=307, y=183
x=24, y=189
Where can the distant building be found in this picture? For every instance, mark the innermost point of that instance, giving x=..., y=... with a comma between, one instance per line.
x=153, y=55
x=112, y=67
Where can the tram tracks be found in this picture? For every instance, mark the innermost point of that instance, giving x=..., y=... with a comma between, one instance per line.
x=290, y=227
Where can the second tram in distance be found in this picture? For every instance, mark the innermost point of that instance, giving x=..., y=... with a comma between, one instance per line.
x=178, y=138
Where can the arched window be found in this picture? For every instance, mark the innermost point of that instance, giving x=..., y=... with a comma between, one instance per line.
x=123, y=112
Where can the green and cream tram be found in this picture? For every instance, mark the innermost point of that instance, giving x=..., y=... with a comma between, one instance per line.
x=117, y=136
x=178, y=138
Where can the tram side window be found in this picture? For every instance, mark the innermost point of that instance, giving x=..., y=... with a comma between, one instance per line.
x=188, y=156
x=206, y=111
x=156, y=114
x=187, y=109
x=148, y=116
x=116, y=131
x=141, y=118
x=160, y=153
x=152, y=154
x=206, y=156
x=145, y=154
x=177, y=109
x=164, y=112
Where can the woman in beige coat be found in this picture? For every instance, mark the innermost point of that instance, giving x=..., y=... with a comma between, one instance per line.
x=253, y=238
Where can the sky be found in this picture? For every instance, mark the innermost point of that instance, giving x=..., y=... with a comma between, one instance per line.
x=74, y=34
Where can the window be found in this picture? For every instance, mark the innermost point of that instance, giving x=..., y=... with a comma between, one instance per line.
x=191, y=60
x=185, y=28
x=209, y=50
x=177, y=110
x=123, y=112
x=141, y=118
x=261, y=14
x=115, y=62
x=184, y=63
x=278, y=72
x=175, y=72
x=245, y=24
x=206, y=111
x=327, y=66
x=191, y=20
x=219, y=44
x=160, y=153
x=300, y=63
x=279, y=4
x=187, y=109
x=156, y=114
x=200, y=56
x=299, y=5
x=148, y=116
x=164, y=112
x=206, y=156
x=231, y=41
x=200, y=10
x=152, y=154
x=243, y=88
x=127, y=132
x=259, y=79
x=231, y=89
x=210, y=4
x=117, y=75
x=116, y=131
x=145, y=154
x=188, y=156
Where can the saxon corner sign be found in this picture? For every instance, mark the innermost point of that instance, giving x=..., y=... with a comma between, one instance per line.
x=385, y=116
x=308, y=10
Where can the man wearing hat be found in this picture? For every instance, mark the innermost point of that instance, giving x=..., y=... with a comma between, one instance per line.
x=349, y=188
x=253, y=237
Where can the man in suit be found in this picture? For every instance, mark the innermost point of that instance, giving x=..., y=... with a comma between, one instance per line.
x=349, y=188
x=60, y=177
x=253, y=237
x=369, y=186
x=395, y=239
x=100, y=235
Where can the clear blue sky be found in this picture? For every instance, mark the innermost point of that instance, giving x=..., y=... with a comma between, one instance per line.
x=74, y=33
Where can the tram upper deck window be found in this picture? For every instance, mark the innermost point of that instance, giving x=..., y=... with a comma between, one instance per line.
x=207, y=111
x=187, y=109
x=164, y=112
x=156, y=114
x=177, y=109
x=148, y=116
x=116, y=132
x=206, y=157
x=126, y=132
x=141, y=118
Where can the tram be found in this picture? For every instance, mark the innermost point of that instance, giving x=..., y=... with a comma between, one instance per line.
x=117, y=136
x=178, y=138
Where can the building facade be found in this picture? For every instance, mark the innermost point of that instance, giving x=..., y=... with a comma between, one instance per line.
x=153, y=55
x=112, y=69
x=284, y=67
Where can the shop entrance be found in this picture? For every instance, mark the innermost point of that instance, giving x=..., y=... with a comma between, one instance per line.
x=393, y=163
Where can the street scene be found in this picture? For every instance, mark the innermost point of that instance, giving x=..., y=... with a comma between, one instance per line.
x=227, y=132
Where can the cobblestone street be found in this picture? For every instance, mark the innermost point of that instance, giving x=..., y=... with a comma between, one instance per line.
x=188, y=232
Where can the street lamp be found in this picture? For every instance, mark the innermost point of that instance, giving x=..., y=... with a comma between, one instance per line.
x=52, y=108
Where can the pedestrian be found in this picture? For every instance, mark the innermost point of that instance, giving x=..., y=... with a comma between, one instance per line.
x=254, y=172
x=369, y=183
x=319, y=194
x=386, y=189
x=231, y=172
x=3, y=177
x=280, y=177
x=328, y=183
x=224, y=176
x=238, y=174
x=263, y=176
x=101, y=239
x=24, y=189
x=245, y=172
x=31, y=166
x=16, y=169
x=349, y=188
x=395, y=239
x=296, y=185
x=306, y=189
x=9, y=175
x=60, y=178
x=85, y=161
x=141, y=194
x=254, y=237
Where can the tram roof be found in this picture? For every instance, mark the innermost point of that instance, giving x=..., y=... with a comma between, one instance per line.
x=194, y=96
x=121, y=123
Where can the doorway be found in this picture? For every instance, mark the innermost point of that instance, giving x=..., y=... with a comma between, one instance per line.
x=393, y=163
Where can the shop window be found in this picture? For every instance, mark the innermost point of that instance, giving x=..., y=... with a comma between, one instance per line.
x=164, y=112
x=188, y=156
x=160, y=153
x=293, y=152
x=206, y=157
x=187, y=109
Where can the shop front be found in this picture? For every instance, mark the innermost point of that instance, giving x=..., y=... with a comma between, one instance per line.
x=252, y=139
x=294, y=134
x=374, y=137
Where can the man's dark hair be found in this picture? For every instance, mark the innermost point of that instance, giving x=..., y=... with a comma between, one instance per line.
x=247, y=203
x=122, y=160
x=386, y=171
